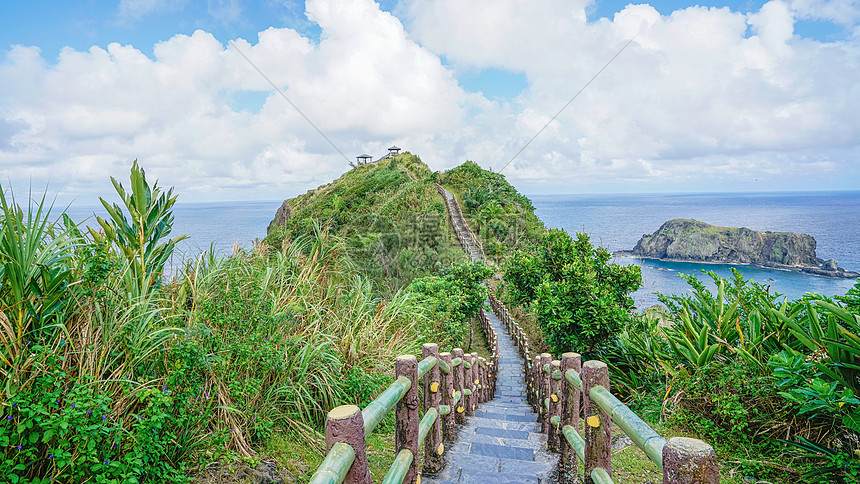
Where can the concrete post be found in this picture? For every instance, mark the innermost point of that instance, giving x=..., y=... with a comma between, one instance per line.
x=433, y=448
x=448, y=424
x=406, y=414
x=568, y=461
x=345, y=424
x=689, y=461
x=459, y=385
x=598, y=431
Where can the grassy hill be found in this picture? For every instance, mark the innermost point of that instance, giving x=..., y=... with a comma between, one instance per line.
x=390, y=215
x=394, y=220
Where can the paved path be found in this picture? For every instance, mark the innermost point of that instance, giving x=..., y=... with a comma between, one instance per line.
x=460, y=227
x=502, y=443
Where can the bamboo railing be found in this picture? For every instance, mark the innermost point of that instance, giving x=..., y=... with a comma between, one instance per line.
x=563, y=391
x=464, y=235
x=453, y=385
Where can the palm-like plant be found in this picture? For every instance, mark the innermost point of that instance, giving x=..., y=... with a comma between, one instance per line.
x=139, y=237
x=34, y=277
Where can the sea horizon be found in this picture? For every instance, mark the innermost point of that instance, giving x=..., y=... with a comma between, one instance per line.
x=615, y=221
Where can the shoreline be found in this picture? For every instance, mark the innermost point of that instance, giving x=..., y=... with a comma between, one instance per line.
x=629, y=255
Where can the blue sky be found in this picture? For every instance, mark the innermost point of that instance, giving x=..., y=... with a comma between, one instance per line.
x=716, y=96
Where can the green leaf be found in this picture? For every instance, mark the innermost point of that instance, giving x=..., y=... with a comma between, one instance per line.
x=852, y=420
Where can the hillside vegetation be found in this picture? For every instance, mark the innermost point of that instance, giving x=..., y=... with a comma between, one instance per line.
x=503, y=218
x=113, y=374
x=390, y=216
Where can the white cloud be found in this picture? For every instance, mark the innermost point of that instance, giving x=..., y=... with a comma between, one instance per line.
x=93, y=112
x=703, y=98
x=843, y=12
x=697, y=91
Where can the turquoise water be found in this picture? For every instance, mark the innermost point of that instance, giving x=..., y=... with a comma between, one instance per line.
x=618, y=221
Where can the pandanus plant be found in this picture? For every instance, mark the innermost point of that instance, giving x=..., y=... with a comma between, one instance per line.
x=34, y=277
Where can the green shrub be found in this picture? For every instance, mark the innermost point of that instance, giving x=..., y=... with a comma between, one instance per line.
x=451, y=301
x=579, y=298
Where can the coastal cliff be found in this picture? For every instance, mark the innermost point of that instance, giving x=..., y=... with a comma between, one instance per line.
x=695, y=241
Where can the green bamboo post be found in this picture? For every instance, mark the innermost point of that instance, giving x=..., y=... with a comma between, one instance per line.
x=568, y=462
x=448, y=423
x=689, y=461
x=459, y=379
x=544, y=380
x=346, y=424
x=433, y=447
x=555, y=404
x=598, y=432
x=406, y=413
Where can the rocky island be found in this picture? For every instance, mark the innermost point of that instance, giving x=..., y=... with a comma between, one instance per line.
x=694, y=241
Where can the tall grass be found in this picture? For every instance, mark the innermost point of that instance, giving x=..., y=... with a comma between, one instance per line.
x=113, y=375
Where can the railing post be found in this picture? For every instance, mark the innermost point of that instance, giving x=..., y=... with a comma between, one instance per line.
x=345, y=424
x=448, y=425
x=433, y=447
x=473, y=382
x=554, y=407
x=689, y=461
x=459, y=385
x=406, y=414
x=544, y=379
x=598, y=432
x=479, y=380
x=535, y=384
x=567, y=463
x=485, y=379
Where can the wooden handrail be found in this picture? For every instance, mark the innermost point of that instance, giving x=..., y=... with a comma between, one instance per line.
x=554, y=389
x=460, y=384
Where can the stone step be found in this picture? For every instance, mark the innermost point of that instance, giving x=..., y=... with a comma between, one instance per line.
x=502, y=442
x=465, y=468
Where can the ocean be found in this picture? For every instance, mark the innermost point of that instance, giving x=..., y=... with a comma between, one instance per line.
x=618, y=221
x=613, y=221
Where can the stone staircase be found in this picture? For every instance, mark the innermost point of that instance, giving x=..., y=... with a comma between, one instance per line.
x=502, y=443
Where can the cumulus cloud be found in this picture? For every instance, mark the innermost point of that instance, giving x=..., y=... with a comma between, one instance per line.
x=92, y=112
x=843, y=12
x=704, y=98
x=697, y=91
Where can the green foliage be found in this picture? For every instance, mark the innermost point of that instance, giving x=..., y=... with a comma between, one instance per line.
x=139, y=237
x=74, y=434
x=451, y=301
x=744, y=365
x=112, y=376
x=34, y=282
x=580, y=299
x=851, y=299
x=831, y=466
x=391, y=217
x=803, y=385
x=503, y=218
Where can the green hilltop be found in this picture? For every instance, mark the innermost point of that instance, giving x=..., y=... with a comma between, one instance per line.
x=394, y=222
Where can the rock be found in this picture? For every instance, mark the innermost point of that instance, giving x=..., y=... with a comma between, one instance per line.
x=264, y=473
x=695, y=241
x=281, y=217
